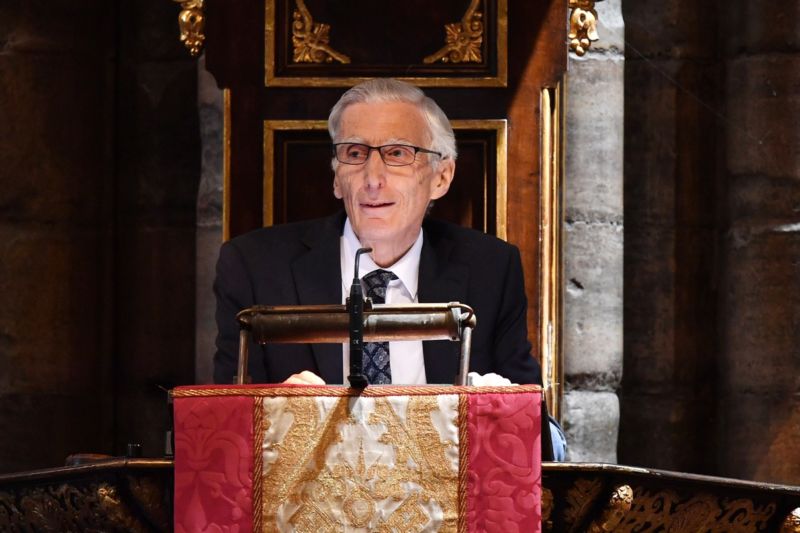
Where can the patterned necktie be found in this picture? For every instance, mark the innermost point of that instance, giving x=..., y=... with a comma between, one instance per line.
x=376, y=354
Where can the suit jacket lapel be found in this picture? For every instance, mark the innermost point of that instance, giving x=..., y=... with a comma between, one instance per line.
x=318, y=280
x=441, y=280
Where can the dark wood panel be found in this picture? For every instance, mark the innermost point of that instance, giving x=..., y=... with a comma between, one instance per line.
x=301, y=177
x=380, y=39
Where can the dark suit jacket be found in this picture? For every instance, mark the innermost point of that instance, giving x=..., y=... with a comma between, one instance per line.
x=299, y=264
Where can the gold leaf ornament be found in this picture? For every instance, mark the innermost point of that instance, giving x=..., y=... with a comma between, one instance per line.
x=463, y=40
x=582, y=26
x=311, y=39
x=191, y=22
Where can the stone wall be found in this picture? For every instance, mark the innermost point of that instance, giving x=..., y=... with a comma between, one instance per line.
x=712, y=299
x=593, y=243
x=671, y=144
x=98, y=173
x=758, y=405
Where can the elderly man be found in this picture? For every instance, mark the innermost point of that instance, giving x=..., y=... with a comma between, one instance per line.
x=393, y=154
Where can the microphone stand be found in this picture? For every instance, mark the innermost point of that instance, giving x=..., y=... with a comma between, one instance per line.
x=355, y=309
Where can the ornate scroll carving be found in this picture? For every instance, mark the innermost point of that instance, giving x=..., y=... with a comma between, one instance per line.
x=582, y=25
x=580, y=498
x=66, y=507
x=792, y=522
x=310, y=39
x=547, y=509
x=618, y=505
x=191, y=22
x=701, y=512
x=463, y=40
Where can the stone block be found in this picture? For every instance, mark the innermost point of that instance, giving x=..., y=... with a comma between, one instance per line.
x=54, y=151
x=761, y=326
x=209, y=196
x=671, y=28
x=762, y=26
x=590, y=424
x=670, y=428
x=594, y=140
x=758, y=435
x=156, y=291
x=209, y=240
x=610, y=28
x=593, y=303
x=763, y=202
x=763, y=107
x=54, y=317
x=670, y=142
x=58, y=27
x=670, y=304
x=159, y=151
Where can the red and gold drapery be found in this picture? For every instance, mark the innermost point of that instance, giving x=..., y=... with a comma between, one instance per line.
x=328, y=459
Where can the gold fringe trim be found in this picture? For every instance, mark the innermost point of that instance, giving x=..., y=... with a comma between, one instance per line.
x=369, y=392
x=463, y=461
x=258, y=463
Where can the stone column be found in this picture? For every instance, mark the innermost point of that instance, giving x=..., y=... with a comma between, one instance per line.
x=671, y=131
x=56, y=176
x=593, y=242
x=209, y=218
x=758, y=428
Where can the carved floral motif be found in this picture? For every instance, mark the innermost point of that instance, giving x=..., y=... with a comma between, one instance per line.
x=463, y=40
x=311, y=40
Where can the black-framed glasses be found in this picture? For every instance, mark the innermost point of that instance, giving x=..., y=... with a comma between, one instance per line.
x=394, y=155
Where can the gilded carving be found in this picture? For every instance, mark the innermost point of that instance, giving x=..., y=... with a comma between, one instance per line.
x=582, y=25
x=65, y=507
x=580, y=498
x=618, y=505
x=463, y=40
x=792, y=522
x=191, y=22
x=547, y=509
x=666, y=511
x=311, y=39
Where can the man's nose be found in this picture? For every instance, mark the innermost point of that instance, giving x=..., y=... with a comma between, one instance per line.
x=374, y=170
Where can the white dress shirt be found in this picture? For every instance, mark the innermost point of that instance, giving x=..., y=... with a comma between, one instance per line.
x=405, y=357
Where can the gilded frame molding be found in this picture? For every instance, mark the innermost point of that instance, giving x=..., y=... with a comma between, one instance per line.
x=272, y=80
x=499, y=126
x=551, y=266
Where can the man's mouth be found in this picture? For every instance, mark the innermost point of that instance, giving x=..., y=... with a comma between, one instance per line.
x=375, y=205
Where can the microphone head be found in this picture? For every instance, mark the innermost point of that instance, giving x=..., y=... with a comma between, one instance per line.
x=358, y=258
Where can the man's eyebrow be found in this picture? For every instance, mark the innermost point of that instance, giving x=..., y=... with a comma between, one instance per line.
x=356, y=140
x=393, y=140
x=398, y=140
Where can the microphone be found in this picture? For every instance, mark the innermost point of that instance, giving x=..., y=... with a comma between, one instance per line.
x=355, y=308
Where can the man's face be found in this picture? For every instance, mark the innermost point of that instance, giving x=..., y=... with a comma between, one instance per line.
x=386, y=204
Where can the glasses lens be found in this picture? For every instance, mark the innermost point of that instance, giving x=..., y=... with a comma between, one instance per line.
x=352, y=154
x=398, y=154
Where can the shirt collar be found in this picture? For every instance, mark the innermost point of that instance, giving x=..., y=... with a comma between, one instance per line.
x=406, y=268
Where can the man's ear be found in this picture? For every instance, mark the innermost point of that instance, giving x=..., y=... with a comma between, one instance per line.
x=337, y=190
x=442, y=178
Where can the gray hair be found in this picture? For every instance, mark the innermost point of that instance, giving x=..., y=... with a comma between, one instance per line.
x=390, y=90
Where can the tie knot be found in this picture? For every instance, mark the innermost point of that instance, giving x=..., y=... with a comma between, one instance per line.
x=376, y=283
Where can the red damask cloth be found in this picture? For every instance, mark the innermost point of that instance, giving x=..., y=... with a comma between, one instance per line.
x=295, y=458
